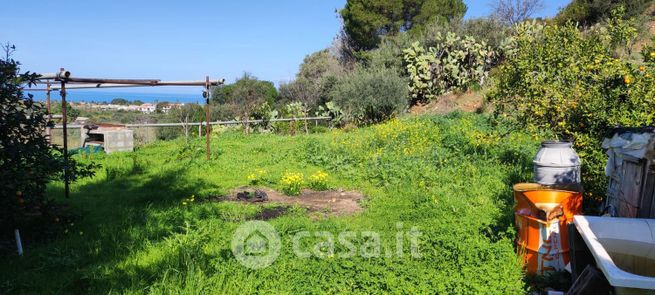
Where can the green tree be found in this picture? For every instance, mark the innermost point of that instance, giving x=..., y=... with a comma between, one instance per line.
x=27, y=161
x=225, y=94
x=188, y=113
x=119, y=101
x=220, y=94
x=247, y=94
x=318, y=73
x=365, y=21
x=593, y=11
x=71, y=113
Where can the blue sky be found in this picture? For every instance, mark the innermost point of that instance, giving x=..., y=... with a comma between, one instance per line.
x=178, y=40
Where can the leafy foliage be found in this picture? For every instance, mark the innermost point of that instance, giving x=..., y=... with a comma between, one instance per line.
x=593, y=11
x=454, y=64
x=317, y=75
x=330, y=109
x=71, y=113
x=120, y=101
x=27, y=161
x=389, y=53
x=570, y=82
x=365, y=21
x=370, y=95
x=488, y=30
x=247, y=88
x=246, y=95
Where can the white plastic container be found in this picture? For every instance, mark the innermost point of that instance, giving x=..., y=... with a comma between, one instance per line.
x=556, y=163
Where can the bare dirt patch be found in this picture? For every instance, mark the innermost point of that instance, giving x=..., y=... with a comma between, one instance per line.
x=270, y=213
x=469, y=101
x=334, y=202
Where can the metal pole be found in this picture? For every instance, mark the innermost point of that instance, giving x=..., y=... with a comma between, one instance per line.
x=207, y=127
x=64, y=123
x=48, y=132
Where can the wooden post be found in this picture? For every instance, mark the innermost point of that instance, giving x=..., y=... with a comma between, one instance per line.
x=48, y=131
x=207, y=128
x=62, y=92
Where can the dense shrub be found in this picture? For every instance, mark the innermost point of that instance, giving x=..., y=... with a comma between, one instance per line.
x=317, y=75
x=389, y=54
x=169, y=133
x=570, y=82
x=455, y=63
x=292, y=110
x=592, y=11
x=490, y=30
x=370, y=95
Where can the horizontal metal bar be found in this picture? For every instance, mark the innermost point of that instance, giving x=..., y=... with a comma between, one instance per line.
x=84, y=86
x=113, y=83
x=47, y=76
x=233, y=122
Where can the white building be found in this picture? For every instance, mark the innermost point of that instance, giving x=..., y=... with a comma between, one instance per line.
x=147, y=108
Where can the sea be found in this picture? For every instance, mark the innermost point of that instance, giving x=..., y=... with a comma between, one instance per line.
x=100, y=96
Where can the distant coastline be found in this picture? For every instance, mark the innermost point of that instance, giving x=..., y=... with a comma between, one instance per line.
x=107, y=96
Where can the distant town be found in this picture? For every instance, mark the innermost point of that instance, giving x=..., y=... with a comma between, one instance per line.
x=123, y=105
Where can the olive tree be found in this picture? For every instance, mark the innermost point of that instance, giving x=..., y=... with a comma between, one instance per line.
x=247, y=94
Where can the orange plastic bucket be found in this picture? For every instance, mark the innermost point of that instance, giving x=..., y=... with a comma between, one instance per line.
x=543, y=244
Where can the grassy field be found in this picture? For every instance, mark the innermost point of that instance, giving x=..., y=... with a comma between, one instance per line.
x=448, y=175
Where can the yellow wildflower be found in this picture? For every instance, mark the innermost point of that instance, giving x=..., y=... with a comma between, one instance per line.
x=292, y=183
x=627, y=79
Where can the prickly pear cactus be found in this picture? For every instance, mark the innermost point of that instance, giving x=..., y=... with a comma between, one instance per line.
x=454, y=64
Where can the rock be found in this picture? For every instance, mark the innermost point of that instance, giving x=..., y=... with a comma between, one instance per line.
x=243, y=195
x=250, y=196
x=260, y=196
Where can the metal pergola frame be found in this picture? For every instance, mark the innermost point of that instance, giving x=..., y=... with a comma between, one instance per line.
x=71, y=82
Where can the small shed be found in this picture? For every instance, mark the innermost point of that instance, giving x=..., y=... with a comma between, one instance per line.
x=111, y=137
x=631, y=172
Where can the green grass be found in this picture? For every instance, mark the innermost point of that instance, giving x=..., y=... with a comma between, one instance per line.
x=449, y=176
